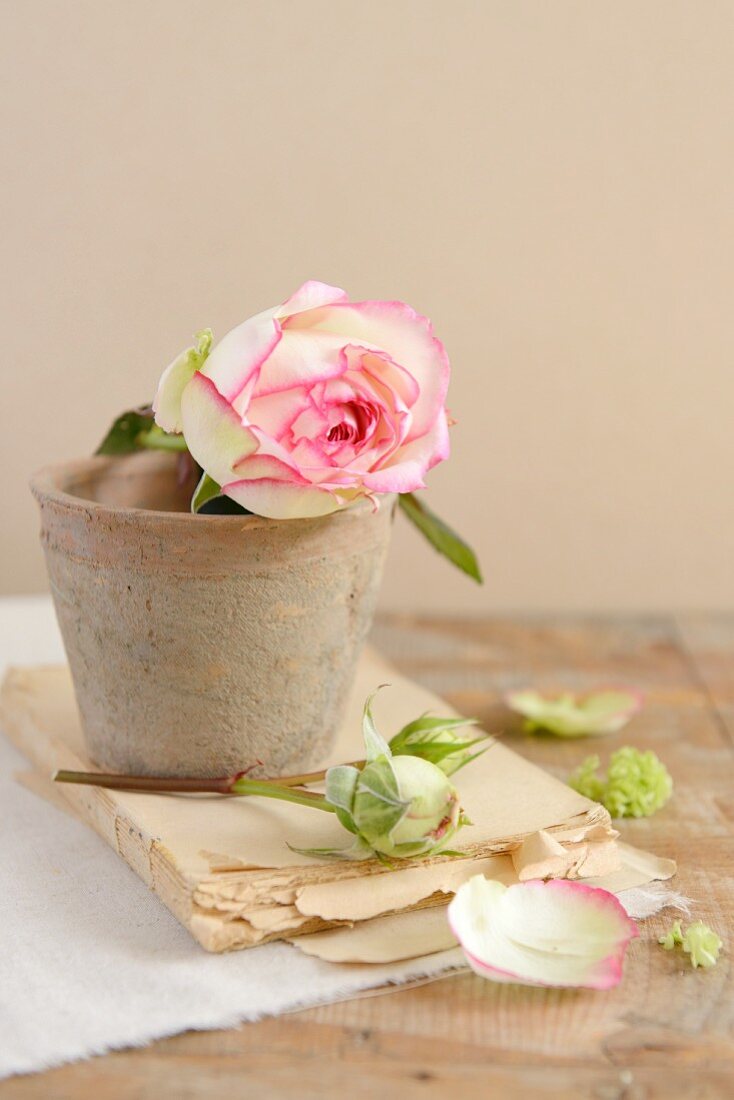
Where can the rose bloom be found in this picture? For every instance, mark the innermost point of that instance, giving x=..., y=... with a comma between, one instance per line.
x=310, y=405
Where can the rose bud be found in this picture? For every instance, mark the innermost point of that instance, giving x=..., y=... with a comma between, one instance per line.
x=395, y=806
x=405, y=807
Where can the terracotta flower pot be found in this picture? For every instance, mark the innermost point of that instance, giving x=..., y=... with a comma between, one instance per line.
x=201, y=644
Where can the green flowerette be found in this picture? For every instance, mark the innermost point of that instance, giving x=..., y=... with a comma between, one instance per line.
x=699, y=942
x=636, y=784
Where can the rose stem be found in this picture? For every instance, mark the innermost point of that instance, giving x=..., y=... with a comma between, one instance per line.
x=152, y=441
x=309, y=777
x=232, y=784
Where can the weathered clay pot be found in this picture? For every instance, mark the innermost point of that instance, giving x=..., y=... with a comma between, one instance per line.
x=201, y=644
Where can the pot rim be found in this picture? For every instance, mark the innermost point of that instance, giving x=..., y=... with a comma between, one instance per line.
x=46, y=486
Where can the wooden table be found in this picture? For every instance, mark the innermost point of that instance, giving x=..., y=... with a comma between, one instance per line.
x=666, y=1031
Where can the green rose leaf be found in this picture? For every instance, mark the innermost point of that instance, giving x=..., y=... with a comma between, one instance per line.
x=135, y=430
x=441, y=536
x=122, y=437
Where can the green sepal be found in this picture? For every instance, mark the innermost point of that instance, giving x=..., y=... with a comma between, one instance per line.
x=345, y=818
x=441, y=536
x=469, y=759
x=408, y=741
x=359, y=850
x=374, y=743
x=378, y=806
x=200, y=353
x=206, y=490
x=436, y=751
x=428, y=722
x=341, y=782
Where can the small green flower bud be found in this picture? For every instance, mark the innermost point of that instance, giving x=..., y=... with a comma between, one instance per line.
x=423, y=812
x=398, y=806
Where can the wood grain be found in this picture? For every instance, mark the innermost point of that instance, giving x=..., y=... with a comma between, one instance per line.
x=666, y=1031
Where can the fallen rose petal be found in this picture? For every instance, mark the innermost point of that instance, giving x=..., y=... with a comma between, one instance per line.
x=570, y=715
x=555, y=933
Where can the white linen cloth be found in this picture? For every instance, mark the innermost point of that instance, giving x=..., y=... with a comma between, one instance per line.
x=91, y=959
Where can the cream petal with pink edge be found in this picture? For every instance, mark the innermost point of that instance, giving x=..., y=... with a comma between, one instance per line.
x=258, y=466
x=404, y=477
x=405, y=470
x=306, y=461
x=406, y=337
x=238, y=356
x=310, y=296
x=277, y=499
x=555, y=933
x=301, y=359
x=275, y=413
x=173, y=381
x=213, y=432
x=310, y=424
x=396, y=379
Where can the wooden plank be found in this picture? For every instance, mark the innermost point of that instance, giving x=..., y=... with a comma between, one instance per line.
x=666, y=1031
x=709, y=642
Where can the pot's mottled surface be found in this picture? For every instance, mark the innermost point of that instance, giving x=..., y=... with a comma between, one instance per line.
x=201, y=644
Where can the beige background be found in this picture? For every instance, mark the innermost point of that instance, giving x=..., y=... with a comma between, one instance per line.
x=551, y=182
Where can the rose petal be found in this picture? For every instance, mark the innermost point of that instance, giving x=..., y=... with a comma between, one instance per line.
x=275, y=413
x=413, y=460
x=385, y=373
x=301, y=360
x=257, y=466
x=574, y=716
x=278, y=499
x=173, y=381
x=311, y=295
x=404, y=477
x=555, y=933
x=214, y=433
x=238, y=356
x=405, y=335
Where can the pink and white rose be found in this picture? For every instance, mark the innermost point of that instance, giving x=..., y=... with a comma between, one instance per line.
x=312, y=404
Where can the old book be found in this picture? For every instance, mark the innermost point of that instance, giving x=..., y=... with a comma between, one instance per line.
x=223, y=865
